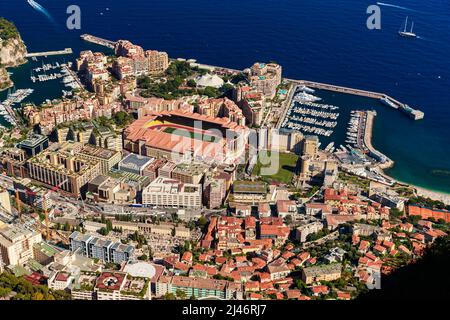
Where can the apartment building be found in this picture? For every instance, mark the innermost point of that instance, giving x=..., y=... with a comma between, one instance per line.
x=309, y=228
x=100, y=248
x=265, y=77
x=199, y=287
x=189, y=172
x=158, y=61
x=327, y=272
x=16, y=244
x=64, y=167
x=110, y=285
x=107, y=158
x=163, y=192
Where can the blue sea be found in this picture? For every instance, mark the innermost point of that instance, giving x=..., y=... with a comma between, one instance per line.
x=320, y=40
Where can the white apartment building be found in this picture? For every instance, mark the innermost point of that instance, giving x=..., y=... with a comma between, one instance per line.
x=164, y=192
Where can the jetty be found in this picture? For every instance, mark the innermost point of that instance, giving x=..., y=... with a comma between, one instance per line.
x=50, y=53
x=97, y=40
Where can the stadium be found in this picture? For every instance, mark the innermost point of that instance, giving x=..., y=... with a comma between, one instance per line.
x=176, y=133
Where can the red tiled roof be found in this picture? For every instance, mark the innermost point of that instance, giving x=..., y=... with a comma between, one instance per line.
x=320, y=289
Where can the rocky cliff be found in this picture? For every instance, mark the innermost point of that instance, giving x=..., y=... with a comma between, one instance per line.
x=12, y=51
x=5, y=81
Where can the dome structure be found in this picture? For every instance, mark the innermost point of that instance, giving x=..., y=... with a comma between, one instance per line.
x=209, y=80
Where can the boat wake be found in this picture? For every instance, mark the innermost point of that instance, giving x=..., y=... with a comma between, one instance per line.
x=395, y=6
x=36, y=6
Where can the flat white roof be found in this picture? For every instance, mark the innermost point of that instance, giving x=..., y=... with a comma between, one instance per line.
x=140, y=269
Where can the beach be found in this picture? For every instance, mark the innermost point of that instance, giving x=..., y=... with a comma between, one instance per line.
x=435, y=195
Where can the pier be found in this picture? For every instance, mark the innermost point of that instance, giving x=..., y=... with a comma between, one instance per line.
x=97, y=40
x=50, y=53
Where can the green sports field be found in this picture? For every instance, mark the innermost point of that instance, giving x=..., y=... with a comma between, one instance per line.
x=286, y=167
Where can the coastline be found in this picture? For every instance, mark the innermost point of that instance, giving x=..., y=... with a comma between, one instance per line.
x=424, y=192
x=436, y=195
x=420, y=191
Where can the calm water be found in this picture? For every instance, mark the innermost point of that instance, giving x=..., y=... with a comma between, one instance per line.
x=322, y=40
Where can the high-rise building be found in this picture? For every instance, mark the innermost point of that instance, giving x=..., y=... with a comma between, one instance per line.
x=158, y=62
x=265, y=77
x=310, y=146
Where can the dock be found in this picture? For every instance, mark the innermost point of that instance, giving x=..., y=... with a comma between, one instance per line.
x=50, y=53
x=97, y=40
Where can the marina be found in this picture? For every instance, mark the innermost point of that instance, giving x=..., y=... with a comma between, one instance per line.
x=13, y=98
x=305, y=114
x=355, y=130
x=67, y=78
x=414, y=114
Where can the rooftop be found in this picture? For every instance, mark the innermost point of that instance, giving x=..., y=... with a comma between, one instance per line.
x=135, y=161
x=249, y=187
x=98, y=152
x=322, y=269
x=32, y=140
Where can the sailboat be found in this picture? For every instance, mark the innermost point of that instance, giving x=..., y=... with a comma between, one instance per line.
x=407, y=34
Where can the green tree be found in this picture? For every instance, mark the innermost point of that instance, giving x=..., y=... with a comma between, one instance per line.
x=103, y=231
x=181, y=294
x=144, y=257
x=169, y=296
x=202, y=221
x=211, y=92
x=4, y=292
x=67, y=226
